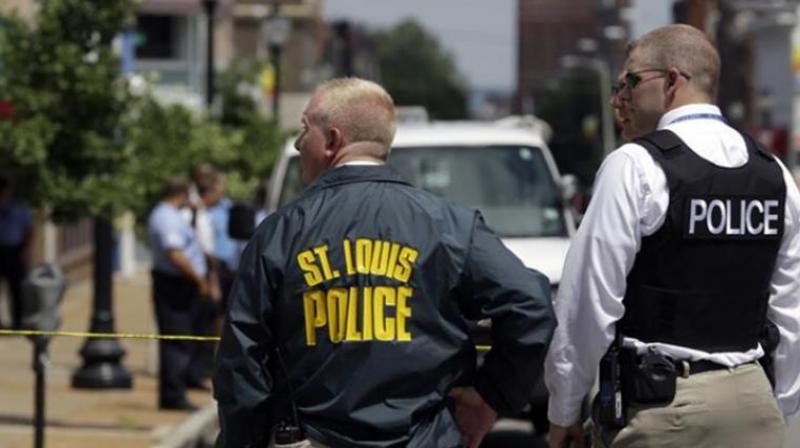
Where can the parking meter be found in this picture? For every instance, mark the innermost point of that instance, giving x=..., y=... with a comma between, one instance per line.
x=42, y=292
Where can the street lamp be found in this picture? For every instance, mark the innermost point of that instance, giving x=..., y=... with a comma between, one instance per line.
x=102, y=368
x=210, y=7
x=277, y=31
x=604, y=79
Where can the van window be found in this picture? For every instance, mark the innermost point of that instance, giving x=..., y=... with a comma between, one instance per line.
x=511, y=185
x=292, y=182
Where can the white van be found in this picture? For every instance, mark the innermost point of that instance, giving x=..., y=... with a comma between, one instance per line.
x=507, y=173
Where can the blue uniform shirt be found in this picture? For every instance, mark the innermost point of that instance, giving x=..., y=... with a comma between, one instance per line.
x=168, y=230
x=15, y=220
x=224, y=246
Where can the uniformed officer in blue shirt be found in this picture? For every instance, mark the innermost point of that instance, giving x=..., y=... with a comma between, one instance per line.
x=179, y=283
x=16, y=236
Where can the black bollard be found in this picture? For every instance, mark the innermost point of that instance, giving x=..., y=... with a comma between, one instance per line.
x=40, y=367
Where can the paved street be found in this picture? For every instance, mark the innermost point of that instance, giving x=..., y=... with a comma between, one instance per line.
x=519, y=434
x=95, y=418
x=513, y=433
x=129, y=419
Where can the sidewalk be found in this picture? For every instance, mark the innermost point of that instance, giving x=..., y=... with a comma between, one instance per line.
x=79, y=418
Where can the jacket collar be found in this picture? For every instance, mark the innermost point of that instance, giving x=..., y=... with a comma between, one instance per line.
x=348, y=174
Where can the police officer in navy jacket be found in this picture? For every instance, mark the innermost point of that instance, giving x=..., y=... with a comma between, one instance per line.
x=690, y=246
x=347, y=315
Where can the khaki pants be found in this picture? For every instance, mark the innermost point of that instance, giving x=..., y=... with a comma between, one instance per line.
x=728, y=408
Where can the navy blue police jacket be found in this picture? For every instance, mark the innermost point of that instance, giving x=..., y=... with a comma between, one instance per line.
x=351, y=302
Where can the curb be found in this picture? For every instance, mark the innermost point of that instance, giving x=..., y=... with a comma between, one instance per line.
x=197, y=431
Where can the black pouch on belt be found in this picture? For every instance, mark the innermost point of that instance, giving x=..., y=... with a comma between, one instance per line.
x=651, y=379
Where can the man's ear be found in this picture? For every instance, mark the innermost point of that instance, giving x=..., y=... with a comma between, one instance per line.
x=672, y=80
x=333, y=140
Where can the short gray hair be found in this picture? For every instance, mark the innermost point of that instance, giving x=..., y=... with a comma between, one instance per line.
x=684, y=47
x=362, y=109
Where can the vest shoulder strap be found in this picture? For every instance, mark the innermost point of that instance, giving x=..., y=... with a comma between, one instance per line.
x=755, y=147
x=663, y=139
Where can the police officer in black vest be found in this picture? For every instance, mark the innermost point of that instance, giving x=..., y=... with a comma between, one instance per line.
x=689, y=248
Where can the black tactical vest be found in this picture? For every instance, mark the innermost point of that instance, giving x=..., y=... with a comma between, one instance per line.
x=702, y=280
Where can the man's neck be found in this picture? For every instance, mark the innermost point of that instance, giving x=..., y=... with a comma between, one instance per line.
x=359, y=152
x=686, y=99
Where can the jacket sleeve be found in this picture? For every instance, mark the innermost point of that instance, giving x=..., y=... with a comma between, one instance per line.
x=784, y=306
x=517, y=300
x=242, y=385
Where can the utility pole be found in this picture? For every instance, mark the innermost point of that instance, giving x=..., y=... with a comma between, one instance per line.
x=278, y=29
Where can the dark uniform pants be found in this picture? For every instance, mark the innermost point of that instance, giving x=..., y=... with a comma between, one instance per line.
x=176, y=302
x=205, y=324
x=732, y=408
x=12, y=269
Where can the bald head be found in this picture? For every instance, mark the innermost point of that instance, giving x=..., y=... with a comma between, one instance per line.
x=685, y=48
x=361, y=109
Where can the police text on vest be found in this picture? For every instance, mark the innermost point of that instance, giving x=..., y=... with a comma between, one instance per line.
x=733, y=217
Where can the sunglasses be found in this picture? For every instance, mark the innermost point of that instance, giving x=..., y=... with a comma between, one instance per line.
x=632, y=79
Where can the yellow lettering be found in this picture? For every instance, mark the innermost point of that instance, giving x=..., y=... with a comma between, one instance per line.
x=380, y=258
x=407, y=257
x=352, y=316
x=348, y=257
x=363, y=255
x=392, y=259
x=337, y=314
x=384, y=326
x=314, y=313
x=312, y=275
x=322, y=253
x=367, y=311
x=338, y=309
x=403, y=312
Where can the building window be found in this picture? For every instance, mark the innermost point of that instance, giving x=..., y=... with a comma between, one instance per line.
x=159, y=36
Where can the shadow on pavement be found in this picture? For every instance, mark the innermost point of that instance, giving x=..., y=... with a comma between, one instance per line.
x=510, y=439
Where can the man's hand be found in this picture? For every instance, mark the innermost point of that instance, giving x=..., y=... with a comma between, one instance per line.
x=203, y=287
x=214, y=291
x=566, y=436
x=474, y=417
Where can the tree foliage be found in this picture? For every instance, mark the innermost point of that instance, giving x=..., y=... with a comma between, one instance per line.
x=417, y=71
x=238, y=87
x=184, y=139
x=80, y=143
x=60, y=73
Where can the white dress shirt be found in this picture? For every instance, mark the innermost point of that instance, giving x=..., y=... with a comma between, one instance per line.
x=360, y=163
x=202, y=221
x=630, y=202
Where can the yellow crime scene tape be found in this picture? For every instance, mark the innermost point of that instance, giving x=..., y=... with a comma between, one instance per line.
x=166, y=337
x=80, y=334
